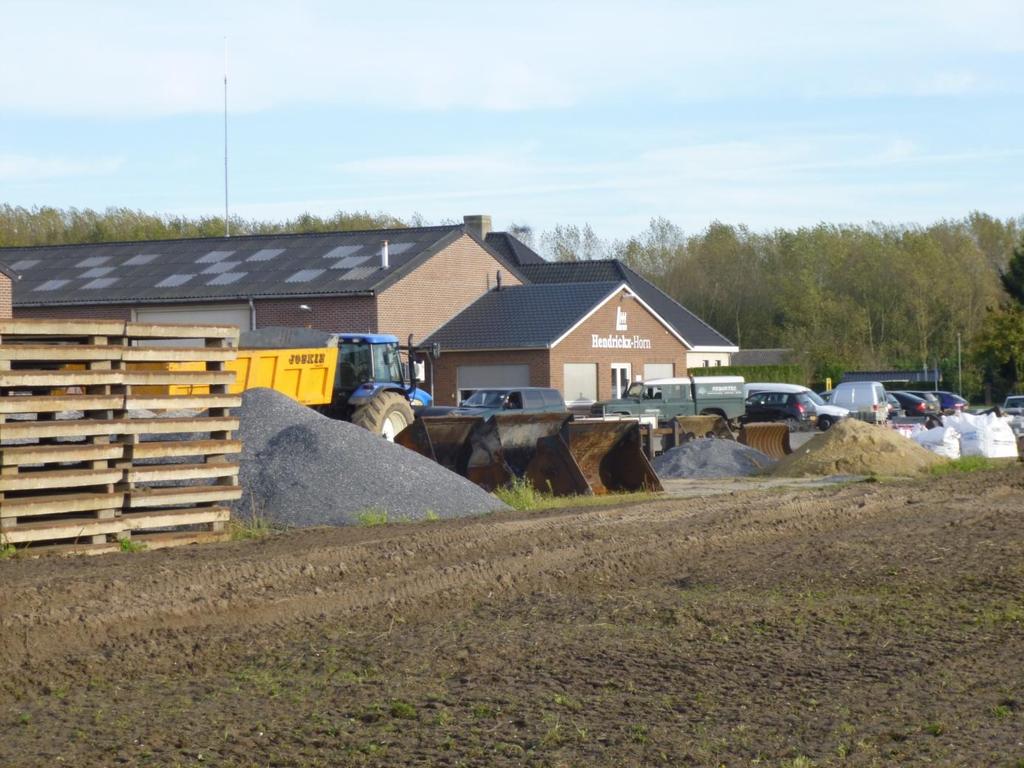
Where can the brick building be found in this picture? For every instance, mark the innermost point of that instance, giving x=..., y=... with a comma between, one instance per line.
x=589, y=340
x=7, y=279
x=543, y=326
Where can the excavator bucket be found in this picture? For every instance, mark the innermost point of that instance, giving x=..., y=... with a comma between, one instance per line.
x=592, y=457
x=555, y=454
x=694, y=427
x=772, y=439
x=444, y=439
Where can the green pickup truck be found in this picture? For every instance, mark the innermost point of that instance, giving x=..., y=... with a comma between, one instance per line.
x=681, y=396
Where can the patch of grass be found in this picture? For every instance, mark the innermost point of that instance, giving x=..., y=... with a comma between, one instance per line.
x=568, y=702
x=966, y=464
x=1001, y=711
x=255, y=525
x=431, y=516
x=403, y=710
x=127, y=545
x=372, y=517
x=935, y=729
x=7, y=551
x=521, y=495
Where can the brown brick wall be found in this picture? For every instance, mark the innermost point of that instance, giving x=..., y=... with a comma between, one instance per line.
x=446, y=369
x=577, y=348
x=355, y=314
x=94, y=312
x=546, y=368
x=6, y=295
x=427, y=298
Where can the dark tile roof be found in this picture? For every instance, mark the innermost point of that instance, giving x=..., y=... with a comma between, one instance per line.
x=6, y=270
x=761, y=357
x=513, y=249
x=521, y=316
x=196, y=269
x=695, y=331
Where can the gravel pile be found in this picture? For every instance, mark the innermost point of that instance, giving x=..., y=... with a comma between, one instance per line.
x=711, y=457
x=299, y=468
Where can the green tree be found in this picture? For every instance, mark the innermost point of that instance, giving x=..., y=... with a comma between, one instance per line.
x=1013, y=277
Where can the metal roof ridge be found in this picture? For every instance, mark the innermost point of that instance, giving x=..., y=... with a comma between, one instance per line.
x=222, y=239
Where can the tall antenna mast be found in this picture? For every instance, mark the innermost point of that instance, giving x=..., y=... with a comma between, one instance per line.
x=227, y=216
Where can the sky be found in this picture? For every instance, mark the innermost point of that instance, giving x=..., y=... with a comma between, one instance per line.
x=769, y=114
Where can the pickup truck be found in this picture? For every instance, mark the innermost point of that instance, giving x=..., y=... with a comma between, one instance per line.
x=679, y=396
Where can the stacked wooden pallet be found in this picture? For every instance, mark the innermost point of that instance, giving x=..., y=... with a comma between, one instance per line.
x=94, y=451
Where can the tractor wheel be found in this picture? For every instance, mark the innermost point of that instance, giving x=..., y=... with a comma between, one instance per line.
x=386, y=415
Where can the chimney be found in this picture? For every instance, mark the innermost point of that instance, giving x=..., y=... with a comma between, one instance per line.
x=384, y=261
x=478, y=225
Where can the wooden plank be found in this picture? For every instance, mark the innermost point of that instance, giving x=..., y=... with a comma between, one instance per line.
x=179, y=378
x=60, y=352
x=179, y=538
x=177, y=448
x=164, y=472
x=28, y=506
x=58, y=403
x=174, y=402
x=52, y=454
x=59, y=478
x=76, y=329
x=165, y=518
x=26, y=430
x=164, y=497
x=63, y=378
x=177, y=354
x=180, y=331
x=66, y=528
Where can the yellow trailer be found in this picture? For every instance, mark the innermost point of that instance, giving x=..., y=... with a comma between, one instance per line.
x=305, y=375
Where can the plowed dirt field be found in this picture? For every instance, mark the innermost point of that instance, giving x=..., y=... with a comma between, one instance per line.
x=869, y=624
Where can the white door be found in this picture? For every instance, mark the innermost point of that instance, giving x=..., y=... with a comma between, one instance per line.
x=621, y=374
x=471, y=377
x=579, y=382
x=658, y=371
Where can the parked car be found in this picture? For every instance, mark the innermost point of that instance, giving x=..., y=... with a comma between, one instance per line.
x=827, y=414
x=913, y=405
x=1014, y=405
x=865, y=398
x=950, y=401
x=487, y=402
x=931, y=400
x=796, y=409
x=895, y=410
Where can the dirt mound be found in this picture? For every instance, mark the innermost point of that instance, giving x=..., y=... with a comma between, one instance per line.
x=853, y=447
x=710, y=457
x=299, y=468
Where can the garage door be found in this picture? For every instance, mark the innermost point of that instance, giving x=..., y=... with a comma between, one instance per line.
x=237, y=314
x=658, y=371
x=472, y=377
x=580, y=381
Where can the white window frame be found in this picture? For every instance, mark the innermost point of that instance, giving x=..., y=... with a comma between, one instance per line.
x=628, y=368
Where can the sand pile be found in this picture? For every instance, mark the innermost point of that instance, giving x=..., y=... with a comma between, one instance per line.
x=853, y=447
x=710, y=457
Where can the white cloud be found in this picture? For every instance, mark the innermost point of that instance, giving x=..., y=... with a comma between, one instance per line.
x=130, y=58
x=28, y=168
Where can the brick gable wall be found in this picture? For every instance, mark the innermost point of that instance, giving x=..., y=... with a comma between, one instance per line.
x=431, y=295
x=6, y=296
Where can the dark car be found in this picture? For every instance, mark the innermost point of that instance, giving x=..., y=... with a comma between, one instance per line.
x=895, y=409
x=950, y=401
x=912, y=405
x=796, y=409
x=487, y=402
x=931, y=398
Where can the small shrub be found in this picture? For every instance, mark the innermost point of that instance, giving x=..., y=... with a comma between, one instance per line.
x=372, y=516
x=255, y=525
x=520, y=494
x=127, y=545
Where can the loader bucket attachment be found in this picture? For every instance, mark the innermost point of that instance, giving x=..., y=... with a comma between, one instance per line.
x=772, y=439
x=444, y=439
x=695, y=427
x=592, y=457
x=504, y=445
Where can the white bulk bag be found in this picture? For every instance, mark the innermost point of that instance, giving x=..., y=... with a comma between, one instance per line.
x=944, y=441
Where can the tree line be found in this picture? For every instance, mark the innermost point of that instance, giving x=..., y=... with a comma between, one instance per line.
x=845, y=297
x=842, y=297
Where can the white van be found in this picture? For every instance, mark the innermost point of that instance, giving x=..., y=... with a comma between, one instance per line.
x=866, y=399
x=828, y=414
